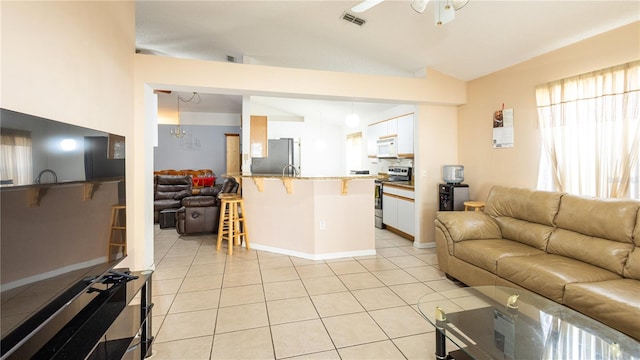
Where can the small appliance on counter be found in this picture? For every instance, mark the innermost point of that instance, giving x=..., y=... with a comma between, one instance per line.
x=453, y=194
x=359, y=172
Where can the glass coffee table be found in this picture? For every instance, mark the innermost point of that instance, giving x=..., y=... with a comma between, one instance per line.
x=492, y=322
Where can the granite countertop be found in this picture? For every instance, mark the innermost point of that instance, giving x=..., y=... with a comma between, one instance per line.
x=403, y=184
x=279, y=176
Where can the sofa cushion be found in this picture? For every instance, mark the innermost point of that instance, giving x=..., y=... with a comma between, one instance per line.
x=159, y=205
x=632, y=267
x=613, y=219
x=615, y=303
x=486, y=253
x=182, y=194
x=532, y=234
x=533, y=206
x=548, y=274
x=607, y=254
x=163, y=195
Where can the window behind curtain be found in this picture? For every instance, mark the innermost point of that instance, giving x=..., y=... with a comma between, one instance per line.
x=354, y=151
x=590, y=127
x=15, y=157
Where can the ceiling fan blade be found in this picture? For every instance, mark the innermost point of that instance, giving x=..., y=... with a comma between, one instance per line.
x=365, y=5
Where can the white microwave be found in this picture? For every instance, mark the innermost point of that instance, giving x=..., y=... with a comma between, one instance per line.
x=387, y=147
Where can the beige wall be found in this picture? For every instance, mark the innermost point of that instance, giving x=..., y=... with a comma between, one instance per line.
x=290, y=223
x=72, y=62
x=515, y=87
x=437, y=131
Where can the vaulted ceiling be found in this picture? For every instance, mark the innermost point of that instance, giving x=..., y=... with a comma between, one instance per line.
x=395, y=40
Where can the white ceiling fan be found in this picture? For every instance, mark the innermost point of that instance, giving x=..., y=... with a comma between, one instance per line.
x=417, y=5
x=444, y=13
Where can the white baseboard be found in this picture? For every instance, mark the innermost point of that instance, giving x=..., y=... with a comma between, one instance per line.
x=429, y=245
x=326, y=256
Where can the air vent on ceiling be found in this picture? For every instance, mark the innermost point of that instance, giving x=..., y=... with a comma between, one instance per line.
x=353, y=19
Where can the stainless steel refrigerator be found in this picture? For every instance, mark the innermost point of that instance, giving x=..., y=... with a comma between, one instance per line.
x=281, y=152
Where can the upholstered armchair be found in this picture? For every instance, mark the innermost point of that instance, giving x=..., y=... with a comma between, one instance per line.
x=168, y=192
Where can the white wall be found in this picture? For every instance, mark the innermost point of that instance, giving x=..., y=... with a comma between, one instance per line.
x=321, y=144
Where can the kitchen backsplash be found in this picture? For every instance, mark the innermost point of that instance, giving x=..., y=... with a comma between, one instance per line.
x=382, y=165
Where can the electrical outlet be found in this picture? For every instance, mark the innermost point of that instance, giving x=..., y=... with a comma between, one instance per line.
x=323, y=224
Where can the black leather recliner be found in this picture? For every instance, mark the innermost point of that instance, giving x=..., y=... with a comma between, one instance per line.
x=199, y=214
x=168, y=192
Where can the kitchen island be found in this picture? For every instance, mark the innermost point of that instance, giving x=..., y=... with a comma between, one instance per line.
x=310, y=217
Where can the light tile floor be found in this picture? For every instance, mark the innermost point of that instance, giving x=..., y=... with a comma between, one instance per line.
x=261, y=305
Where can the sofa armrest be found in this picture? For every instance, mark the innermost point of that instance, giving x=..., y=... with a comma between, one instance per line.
x=467, y=225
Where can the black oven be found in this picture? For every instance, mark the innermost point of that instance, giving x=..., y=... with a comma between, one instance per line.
x=378, y=204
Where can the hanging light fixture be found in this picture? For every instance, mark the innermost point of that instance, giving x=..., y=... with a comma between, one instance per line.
x=178, y=131
x=352, y=120
x=445, y=12
x=419, y=5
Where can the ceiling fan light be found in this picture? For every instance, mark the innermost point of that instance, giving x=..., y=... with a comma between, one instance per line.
x=352, y=120
x=419, y=5
x=365, y=5
x=445, y=13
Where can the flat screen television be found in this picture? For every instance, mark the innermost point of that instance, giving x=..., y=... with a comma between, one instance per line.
x=59, y=184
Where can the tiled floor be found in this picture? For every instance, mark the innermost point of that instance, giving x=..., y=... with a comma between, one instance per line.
x=260, y=305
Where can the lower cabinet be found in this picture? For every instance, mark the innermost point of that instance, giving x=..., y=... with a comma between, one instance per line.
x=398, y=209
x=406, y=217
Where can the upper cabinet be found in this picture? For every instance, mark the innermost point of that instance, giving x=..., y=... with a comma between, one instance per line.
x=401, y=126
x=405, y=136
x=258, y=136
x=374, y=132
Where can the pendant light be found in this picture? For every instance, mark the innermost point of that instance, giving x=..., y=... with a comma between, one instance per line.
x=352, y=120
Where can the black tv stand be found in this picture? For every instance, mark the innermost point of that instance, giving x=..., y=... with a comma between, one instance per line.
x=102, y=329
x=115, y=277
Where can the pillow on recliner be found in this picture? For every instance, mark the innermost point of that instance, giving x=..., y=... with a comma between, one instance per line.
x=182, y=194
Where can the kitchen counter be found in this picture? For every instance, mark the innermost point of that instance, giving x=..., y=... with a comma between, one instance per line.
x=279, y=176
x=401, y=184
x=314, y=217
x=288, y=181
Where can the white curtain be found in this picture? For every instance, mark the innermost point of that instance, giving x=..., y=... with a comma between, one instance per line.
x=15, y=157
x=590, y=127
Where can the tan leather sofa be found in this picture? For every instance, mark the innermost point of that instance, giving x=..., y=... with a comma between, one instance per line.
x=578, y=251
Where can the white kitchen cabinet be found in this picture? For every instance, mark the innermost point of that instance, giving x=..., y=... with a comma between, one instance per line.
x=390, y=210
x=398, y=208
x=402, y=127
x=374, y=132
x=405, y=135
x=406, y=217
x=392, y=127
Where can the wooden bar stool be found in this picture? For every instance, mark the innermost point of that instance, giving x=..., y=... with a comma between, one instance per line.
x=476, y=205
x=231, y=216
